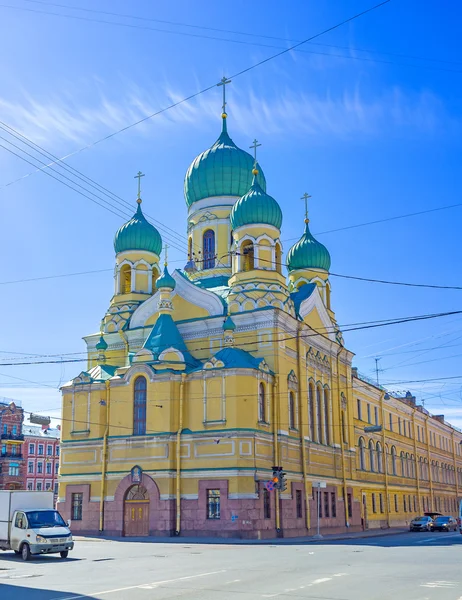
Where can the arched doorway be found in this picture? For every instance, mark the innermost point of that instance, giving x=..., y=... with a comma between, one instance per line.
x=136, y=511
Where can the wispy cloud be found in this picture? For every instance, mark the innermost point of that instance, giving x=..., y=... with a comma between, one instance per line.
x=60, y=118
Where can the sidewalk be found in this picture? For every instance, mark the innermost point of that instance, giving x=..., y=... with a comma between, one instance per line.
x=371, y=533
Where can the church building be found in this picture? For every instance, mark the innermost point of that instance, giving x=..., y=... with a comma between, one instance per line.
x=200, y=380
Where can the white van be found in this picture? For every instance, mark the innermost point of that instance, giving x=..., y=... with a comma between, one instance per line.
x=29, y=524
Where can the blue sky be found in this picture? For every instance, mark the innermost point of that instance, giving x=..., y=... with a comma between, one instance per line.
x=368, y=120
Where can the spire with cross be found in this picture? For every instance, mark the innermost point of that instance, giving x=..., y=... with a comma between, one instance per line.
x=138, y=176
x=223, y=83
x=166, y=255
x=255, y=145
x=305, y=197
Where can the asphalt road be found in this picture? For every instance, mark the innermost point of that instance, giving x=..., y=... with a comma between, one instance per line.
x=410, y=566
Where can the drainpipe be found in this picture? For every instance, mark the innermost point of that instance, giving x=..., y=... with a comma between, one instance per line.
x=342, y=442
x=430, y=474
x=384, y=455
x=455, y=465
x=276, y=449
x=417, y=474
x=178, y=457
x=104, y=460
x=302, y=429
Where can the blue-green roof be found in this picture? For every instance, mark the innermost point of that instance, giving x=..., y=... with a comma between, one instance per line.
x=229, y=325
x=166, y=280
x=301, y=294
x=236, y=358
x=222, y=170
x=138, y=234
x=308, y=253
x=256, y=207
x=165, y=335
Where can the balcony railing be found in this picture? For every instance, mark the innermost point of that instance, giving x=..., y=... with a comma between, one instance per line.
x=11, y=455
x=12, y=436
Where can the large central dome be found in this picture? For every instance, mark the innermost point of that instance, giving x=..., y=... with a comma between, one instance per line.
x=222, y=170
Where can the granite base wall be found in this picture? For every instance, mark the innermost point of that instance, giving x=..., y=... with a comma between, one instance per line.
x=239, y=517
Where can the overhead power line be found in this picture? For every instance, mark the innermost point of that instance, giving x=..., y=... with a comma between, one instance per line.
x=255, y=342
x=254, y=36
x=213, y=86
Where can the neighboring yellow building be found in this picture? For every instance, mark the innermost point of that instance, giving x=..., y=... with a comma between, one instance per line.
x=200, y=381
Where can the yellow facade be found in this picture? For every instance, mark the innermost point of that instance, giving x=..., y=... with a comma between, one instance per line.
x=201, y=381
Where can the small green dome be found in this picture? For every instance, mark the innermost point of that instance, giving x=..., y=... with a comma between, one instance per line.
x=166, y=280
x=229, y=325
x=222, y=170
x=256, y=206
x=138, y=234
x=102, y=344
x=308, y=253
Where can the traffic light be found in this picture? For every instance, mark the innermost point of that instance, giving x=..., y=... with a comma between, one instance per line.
x=282, y=481
x=279, y=479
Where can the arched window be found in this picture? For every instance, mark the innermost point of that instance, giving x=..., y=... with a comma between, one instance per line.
x=393, y=460
x=125, y=278
x=278, y=259
x=407, y=465
x=155, y=277
x=378, y=449
x=139, y=407
x=344, y=428
x=371, y=455
x=291, y=410
x=247, y=256
x=403, y=464
x=319, y=412
x=261, y=403
x=326, y=416
x=362, y=454
x=190, y=248
x=311, y=408
x=208, y=249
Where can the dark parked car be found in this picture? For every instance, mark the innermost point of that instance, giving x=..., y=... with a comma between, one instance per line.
x=444, y=524
x=421, y=524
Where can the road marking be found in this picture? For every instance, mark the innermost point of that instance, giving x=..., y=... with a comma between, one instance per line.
x=233, y=581
x=432, y=539
x=340, y=574
x=140, y=586
x=321, y=580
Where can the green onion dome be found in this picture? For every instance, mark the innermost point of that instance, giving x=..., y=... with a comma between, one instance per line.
x=166, y=280
x=229, y=325
x=138, y=234
x=256, y=207
x=308, y=253
x=102, y=344
x=222, y=170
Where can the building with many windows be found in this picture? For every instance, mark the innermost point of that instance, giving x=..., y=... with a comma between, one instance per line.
x=11, y=438
x=199, y=381
x=41, y=458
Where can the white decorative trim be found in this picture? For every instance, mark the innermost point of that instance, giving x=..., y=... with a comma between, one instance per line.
x=185, y=289
x=212, y=202
x=315, y=301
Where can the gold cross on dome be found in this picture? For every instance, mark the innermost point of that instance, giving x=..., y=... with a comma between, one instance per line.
x=224, y=82
x=138, y=176
x=166, y=254
x=255, y=145
x=306, y=197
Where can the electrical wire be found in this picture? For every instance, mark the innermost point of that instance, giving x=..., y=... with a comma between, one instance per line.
x=79, y=175
x=368, y=279
x=235, y=41
x=256, y=342
x=210, y=87
x=253, y=34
